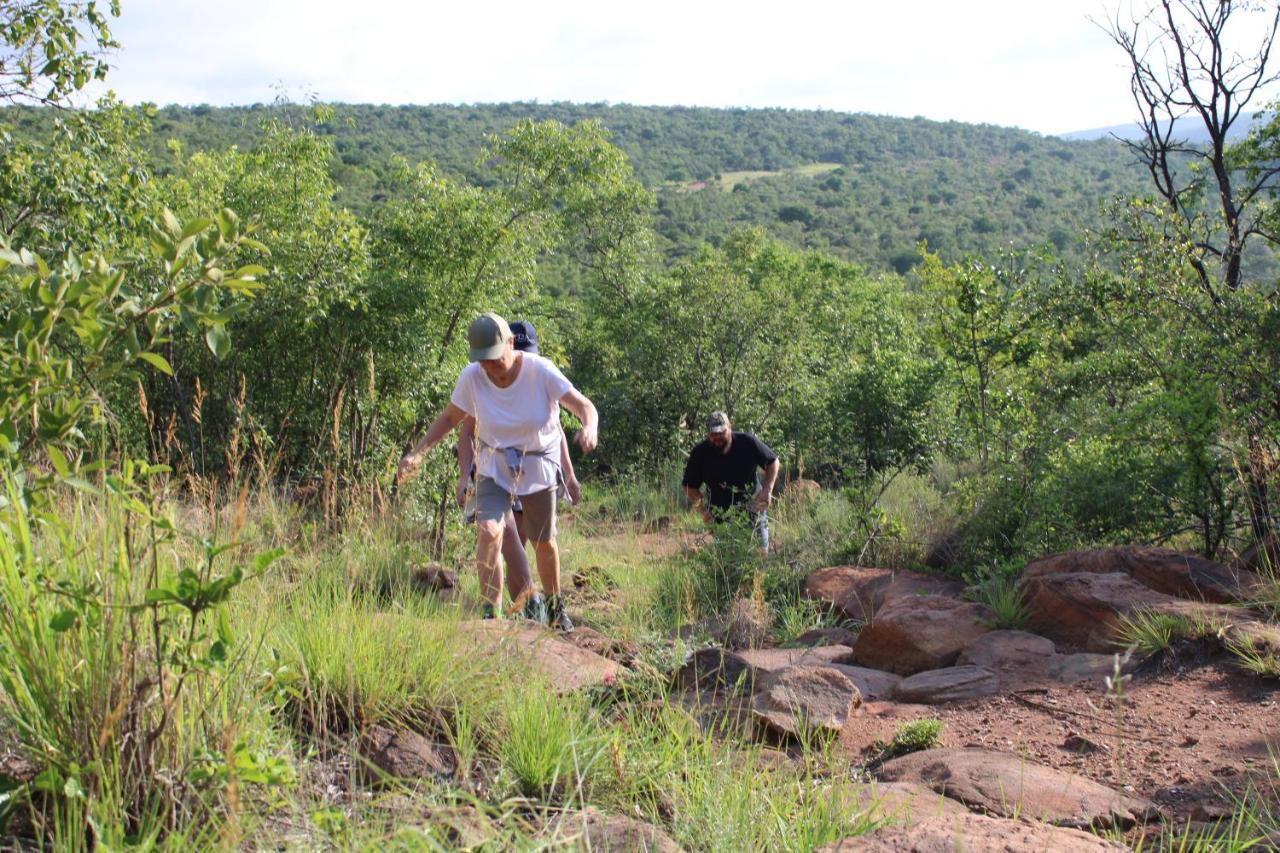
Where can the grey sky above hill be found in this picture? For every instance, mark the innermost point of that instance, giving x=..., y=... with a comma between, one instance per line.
x=1042, y=65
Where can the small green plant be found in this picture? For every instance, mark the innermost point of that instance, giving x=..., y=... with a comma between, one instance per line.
x=1148, y=631
x=549, y=745
x=1000, y=593
x=1258, y=661
x=913, y=737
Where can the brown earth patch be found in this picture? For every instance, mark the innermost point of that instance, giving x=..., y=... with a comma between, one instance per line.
x=1189, y=740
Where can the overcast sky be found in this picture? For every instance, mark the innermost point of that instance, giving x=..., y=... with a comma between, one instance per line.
x=1035, y=64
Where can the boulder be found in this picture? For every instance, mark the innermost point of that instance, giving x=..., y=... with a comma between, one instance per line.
x=565, y=666
x=871, y=683
x=594, y=830
x=1008, y=785
x=1161, y=569
x=857, y=592
x=950, y=833
x=401, y=754
x=826, y=637
x=951, y=684
x=619, y=651
x=1083, y=609
x=1003, y=651
x=812, y=697
x=716, y=670
x=917, y=633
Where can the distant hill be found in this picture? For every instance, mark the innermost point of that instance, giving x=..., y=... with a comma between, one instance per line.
x=1189, y=129
x=867, y=188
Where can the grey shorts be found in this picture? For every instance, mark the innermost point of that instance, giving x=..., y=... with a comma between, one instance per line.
x=493, y=501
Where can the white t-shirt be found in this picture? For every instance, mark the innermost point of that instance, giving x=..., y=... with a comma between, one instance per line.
x=525, y=415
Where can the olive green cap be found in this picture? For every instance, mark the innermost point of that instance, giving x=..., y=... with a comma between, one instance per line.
x=487, y=336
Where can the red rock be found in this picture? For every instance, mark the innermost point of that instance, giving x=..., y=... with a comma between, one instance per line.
x=813, y=697
x=950, y=833
x=917, y=633
x=1083, y=609
x=1160, y=569
x=999, y=783
x=1007, y=650
x=952, y=684
x=857, y=592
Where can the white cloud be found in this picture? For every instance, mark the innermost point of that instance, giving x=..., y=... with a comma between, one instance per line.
x=1038, y=65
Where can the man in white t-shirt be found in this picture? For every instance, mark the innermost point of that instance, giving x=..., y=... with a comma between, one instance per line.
x=515, y=398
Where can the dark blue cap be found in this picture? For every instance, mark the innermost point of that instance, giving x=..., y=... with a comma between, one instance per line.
x=526, y=337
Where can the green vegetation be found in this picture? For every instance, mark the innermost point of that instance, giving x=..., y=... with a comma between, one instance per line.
x=1149, y=631
x=221, y=327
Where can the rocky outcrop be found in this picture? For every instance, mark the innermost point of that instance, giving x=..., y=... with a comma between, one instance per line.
x=858, y=592
x=1084, y=609
x=1008, y=785
x=807, y=698
x=918, y=633
x=952, y=684
x=974, y=832
x=565, y=666
x=1160, y=569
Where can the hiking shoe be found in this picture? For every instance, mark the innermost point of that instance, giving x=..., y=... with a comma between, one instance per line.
x=535, y=609
x=488, y=612
x=558, y=619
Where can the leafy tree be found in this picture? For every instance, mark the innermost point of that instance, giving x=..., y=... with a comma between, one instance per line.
x=53, y=48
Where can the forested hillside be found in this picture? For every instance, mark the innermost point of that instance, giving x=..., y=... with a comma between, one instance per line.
x=237, y=592
x=866, y=188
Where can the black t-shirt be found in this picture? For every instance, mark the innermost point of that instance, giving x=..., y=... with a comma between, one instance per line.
x=731, y=476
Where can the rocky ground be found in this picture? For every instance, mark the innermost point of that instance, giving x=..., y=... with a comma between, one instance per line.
x=1045, y=733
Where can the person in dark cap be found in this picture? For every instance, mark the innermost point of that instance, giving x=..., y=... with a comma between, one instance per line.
x=727, y=463
x=519, y=582
x=515, y=398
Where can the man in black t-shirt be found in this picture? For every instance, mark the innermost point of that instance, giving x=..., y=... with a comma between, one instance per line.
x=726, y=463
